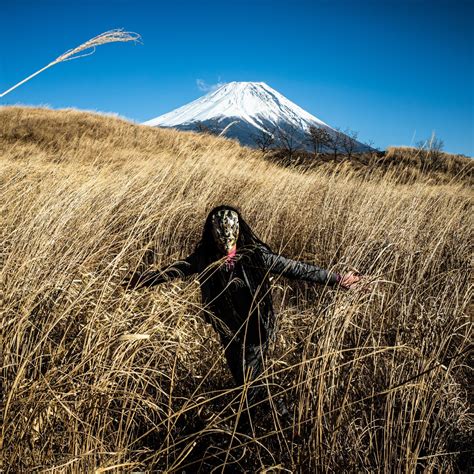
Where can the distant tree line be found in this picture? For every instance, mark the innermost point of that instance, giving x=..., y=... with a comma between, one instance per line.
x=289, y=144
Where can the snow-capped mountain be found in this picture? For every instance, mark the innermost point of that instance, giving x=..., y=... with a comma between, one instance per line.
x=250, y=110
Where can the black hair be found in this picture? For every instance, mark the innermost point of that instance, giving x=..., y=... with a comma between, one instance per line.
x=250, y=248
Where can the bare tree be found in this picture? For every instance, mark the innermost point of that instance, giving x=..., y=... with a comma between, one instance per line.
x=371, y=145
x=431, y=152
x=349, y=142
x=318, y=138
x=211, y=127
x=432, y=144
x=264, y=140
x=287, y=140
x=373, y=152
x=335, y=142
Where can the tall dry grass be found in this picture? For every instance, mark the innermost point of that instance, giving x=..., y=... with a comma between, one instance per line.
x=98, y=379
x=85, y=49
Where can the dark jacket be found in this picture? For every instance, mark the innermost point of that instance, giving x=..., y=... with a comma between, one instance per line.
x=236, y=298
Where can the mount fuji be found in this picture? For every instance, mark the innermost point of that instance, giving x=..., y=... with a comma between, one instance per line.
x=246, y=111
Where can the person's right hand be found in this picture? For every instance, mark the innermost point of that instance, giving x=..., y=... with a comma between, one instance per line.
x=349, y=280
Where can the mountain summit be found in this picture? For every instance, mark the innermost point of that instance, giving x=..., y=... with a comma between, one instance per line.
x=249, y=110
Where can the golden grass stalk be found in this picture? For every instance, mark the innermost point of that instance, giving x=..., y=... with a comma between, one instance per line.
x=85, y=49
x=374, y=381
x=231, y=124
x=134, y=337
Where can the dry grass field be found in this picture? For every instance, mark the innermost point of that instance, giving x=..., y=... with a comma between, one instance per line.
x=97, y=379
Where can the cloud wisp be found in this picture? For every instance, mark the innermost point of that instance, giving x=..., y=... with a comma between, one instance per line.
x=205, y=87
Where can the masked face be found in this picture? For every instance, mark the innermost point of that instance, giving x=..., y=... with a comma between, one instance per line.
x=225, y=229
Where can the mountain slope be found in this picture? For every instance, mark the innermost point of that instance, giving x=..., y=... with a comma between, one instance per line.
x=250, y=109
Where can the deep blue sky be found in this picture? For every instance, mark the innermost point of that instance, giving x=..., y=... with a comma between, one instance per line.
x=393, y=70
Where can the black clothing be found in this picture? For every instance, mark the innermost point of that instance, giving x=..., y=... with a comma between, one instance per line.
x=242, y=306
x=237, y=299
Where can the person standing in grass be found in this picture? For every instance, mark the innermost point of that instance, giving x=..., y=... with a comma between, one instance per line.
x=233, y=267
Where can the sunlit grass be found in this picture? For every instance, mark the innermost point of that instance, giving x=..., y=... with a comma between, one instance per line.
x=98, y=378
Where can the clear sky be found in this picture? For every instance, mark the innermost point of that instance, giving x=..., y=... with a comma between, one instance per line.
x=395, y=71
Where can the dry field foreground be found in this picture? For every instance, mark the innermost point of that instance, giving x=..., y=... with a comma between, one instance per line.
x=98, y=379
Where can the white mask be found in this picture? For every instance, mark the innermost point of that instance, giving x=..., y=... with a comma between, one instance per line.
x=225, y=229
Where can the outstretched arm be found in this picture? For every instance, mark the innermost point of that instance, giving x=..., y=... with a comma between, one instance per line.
x=305, y=271
x=179, y=269
x=299, y=270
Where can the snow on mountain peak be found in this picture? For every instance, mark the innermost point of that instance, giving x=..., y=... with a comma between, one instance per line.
x=248, y=111
x=253, y=102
